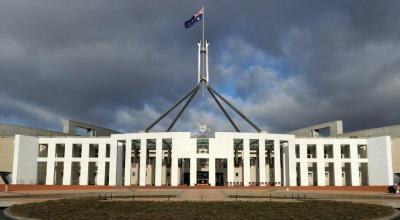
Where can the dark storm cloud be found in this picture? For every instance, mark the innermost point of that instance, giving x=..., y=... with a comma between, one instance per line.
x=121, y=63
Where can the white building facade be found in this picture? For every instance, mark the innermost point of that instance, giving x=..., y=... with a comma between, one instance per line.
x=226, y=159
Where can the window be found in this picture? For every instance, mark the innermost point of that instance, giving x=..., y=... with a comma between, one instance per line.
x=345, y=151
x=79, y=131
x=297, y=151
x=167, y=151
x=202, y=146
x=311, y=151
x=60, y=150
x=133, y=173
x=151, y=144
x=362, y=151
x=237, y=174
x=77, y=150
x=43, y=150
x=321, y=132
x=135, y=154
x=93, y=150
x=237, y=151
x=328, y=151
x=269, y=148
x=254, y=143
x=202, y=163
x=108, y=150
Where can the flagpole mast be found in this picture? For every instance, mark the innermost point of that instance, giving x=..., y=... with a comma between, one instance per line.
x=203, y=49
x=204, y=17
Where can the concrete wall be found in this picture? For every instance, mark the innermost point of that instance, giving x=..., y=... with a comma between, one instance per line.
x=396, y=154
x=184, y=146
x=25, y=160
x=335, y=128
x=6, y=154
x=380, y=171
x=70, y=125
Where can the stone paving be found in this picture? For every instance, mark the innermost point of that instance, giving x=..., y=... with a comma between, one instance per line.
x=202, y=194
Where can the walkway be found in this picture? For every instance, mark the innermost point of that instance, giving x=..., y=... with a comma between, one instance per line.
x=202, y=195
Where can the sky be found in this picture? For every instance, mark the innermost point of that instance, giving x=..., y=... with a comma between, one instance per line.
x=120, y=64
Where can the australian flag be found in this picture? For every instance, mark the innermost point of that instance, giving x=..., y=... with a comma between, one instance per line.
x=195, y=18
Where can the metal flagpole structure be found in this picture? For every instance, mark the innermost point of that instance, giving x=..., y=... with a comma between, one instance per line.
x=203, y=48
x=204, y=18
x=203, y=81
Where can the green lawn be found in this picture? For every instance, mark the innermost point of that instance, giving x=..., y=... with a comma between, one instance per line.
x=94, y=209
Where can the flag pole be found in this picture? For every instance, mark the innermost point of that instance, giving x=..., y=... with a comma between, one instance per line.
x=203, y=48
x=204, y=17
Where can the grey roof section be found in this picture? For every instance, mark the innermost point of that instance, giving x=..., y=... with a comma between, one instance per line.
x=70, y=125
x=335, y=129
x=393, y=131
x=7, y=130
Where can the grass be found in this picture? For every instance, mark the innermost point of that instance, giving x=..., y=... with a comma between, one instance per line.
x=94, y=209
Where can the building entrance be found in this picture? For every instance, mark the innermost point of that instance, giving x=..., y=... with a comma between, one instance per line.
x=202, y=177
x=186, y=179
x=219, y=179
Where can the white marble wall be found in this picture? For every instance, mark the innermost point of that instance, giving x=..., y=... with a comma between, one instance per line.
x=221, y=147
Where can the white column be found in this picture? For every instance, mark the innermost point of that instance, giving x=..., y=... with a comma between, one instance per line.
x=50, y=164
x=261, y=162
x=128, y=162
x=284, y=167
x=101, y=169
x=320, y=165
x=211, y=171
x=174, y=170
x=113, y=163
x=101, y=165
x=207, y=61
x=337, y=164
x=246, y=162
x=50, y=172
x=67, y=164
x=303, y=165
x=291, y=160
x=143, y=163
x=355, y=178
x=67, y=172
x=198, y=62
x=83, y=180
x=230, y=169
x=277, y=161
x=193, y=171
x=158, y=175
x=119, y=159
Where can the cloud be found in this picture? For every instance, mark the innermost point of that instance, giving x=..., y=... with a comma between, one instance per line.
x=28, y=110
x=121, y=64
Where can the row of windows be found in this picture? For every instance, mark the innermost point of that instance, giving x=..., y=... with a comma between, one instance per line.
x=328, y=151
x=76, y=150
